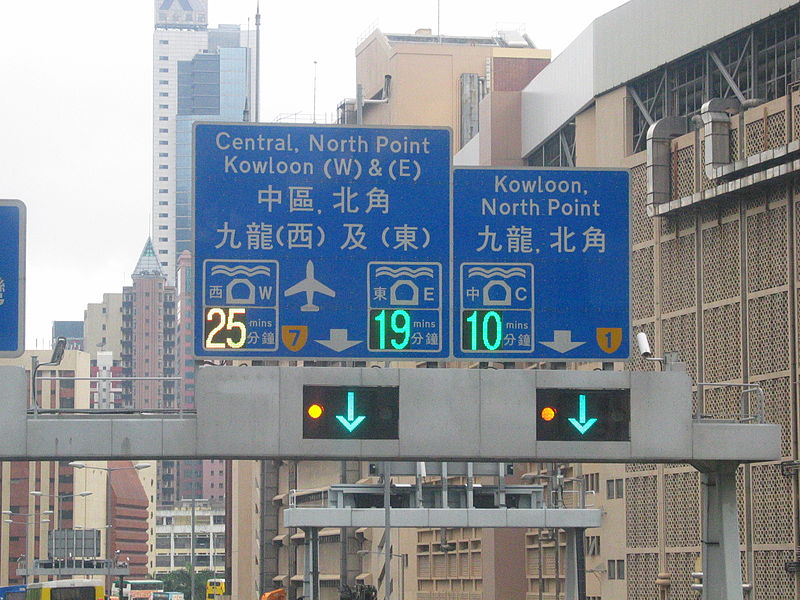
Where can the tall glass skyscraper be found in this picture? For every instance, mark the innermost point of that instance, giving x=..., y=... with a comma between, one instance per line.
x=199, y=74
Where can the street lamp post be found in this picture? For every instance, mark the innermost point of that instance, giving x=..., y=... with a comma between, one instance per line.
x=192, y=548
x=403, y=560
x=109, y=470
x=59, y=498
x=28, y=552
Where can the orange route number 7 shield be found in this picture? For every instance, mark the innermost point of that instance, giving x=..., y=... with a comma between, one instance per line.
x=294, y=337
x=609, y=338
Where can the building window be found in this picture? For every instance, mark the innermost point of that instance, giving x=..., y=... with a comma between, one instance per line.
x=163, y=70
x=163, y=191
x=163, y=118
x=615, y=489
x=163, y=203
x=163, y=154
x=591, y=482
x=163, y=82
x=616, y=569
x=163, y=58
x=163, y=560
x=162, y=239
x=163, y=166
x=757, y=61
x=163, y=42
x=163, y=131
x=162, y=142
x=162, y=215
x=163, y=94
x=162, y=251
x=162, y=227
x=557, y=151
x=163, y=178
x=164, y=106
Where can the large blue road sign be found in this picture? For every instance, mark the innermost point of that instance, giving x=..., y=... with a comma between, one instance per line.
x=12, y=278
x=541, y=264
x=327, y=242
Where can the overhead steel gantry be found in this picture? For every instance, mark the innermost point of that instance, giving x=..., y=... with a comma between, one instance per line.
x=444, y=415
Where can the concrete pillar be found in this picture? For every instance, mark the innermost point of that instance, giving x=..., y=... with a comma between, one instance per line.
x=722, y=571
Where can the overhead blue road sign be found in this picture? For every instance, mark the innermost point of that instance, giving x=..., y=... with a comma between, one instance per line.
x=12, y=278
x=327, y=242
x=541, y=264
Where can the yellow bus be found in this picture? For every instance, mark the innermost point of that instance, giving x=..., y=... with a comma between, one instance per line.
x=68, y=589
x=215, y=588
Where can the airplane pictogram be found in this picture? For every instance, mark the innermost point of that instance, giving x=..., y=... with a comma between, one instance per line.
x=310, y=285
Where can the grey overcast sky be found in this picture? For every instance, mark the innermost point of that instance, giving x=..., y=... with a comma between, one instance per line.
x=76, y=112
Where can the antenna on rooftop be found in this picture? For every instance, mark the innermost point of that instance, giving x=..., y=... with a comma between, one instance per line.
x=438, y=20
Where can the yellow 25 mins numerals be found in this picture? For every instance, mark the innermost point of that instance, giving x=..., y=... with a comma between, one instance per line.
x=228, y=322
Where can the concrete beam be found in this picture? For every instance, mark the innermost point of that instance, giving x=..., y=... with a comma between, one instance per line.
x=443, y=517
x=445, y=414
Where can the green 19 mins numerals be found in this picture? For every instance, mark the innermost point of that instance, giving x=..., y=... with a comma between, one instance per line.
x=389, y=329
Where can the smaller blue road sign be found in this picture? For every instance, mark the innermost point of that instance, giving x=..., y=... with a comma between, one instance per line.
x=541, y=264
x=12, y=278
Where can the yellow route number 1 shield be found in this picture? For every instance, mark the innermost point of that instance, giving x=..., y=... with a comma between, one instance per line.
x=609, y=338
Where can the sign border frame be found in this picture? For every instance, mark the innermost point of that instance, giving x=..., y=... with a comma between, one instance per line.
x=446, y=328
x=22, y=239
x=532, y=359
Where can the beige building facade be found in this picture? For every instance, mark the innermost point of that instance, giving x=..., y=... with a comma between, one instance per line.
x=714, y=266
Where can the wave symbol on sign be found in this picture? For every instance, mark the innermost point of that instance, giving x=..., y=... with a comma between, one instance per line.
x=240, y=270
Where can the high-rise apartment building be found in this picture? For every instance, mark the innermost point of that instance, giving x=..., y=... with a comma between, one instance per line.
x=148, y=335
x=199, y=74
x=102, y=326
x=174, y=525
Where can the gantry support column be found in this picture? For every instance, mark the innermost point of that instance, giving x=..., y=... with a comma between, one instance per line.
x=722, y=571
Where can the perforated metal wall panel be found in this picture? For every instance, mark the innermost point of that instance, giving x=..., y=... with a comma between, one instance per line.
x=641, y=529
x=682, y=509
x=641, y=571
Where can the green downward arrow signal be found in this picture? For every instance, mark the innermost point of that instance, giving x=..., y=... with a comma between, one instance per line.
x=351, y=422
x=581, y=424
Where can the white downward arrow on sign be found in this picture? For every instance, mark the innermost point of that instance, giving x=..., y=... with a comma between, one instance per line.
x=338, y=341
x=562, y=341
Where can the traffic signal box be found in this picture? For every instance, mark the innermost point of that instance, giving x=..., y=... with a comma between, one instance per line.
x=351, y=412
x=583, y=415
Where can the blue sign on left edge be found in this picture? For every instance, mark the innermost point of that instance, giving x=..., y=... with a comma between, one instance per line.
x=12, y=278
x=321, y=242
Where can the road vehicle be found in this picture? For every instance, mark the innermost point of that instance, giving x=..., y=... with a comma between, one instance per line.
x=137, y=588
x=67, y=589
x=12, y=592
x=214, y=588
